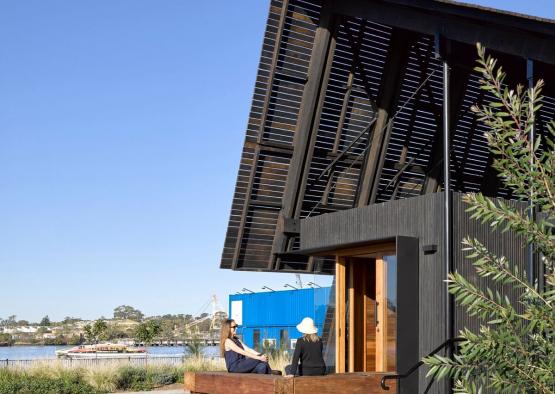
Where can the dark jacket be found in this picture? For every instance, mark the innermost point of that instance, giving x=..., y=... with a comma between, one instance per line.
x=309, y=354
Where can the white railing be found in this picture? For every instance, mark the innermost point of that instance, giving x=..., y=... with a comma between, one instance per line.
x=93, y=362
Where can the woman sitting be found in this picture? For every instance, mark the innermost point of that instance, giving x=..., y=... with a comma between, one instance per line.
x=239, y=358
x=308, y=351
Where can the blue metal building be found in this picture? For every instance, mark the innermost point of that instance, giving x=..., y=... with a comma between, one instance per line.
x=269, y=319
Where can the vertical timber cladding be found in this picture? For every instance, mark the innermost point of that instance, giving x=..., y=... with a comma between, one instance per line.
x=501, y=244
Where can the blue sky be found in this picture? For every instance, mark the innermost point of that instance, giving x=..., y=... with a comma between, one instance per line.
x=121, y=127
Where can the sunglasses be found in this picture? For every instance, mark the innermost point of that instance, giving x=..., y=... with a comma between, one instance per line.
x=235, y=326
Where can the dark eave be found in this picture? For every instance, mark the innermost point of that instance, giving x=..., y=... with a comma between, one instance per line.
x=501, y=31
x=347, y=113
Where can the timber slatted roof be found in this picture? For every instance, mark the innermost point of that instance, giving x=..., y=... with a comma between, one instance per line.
x=347, y=111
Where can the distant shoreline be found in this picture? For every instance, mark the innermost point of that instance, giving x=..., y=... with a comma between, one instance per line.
x=30, y=344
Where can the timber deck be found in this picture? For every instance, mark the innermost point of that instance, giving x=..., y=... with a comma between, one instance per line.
x=224, y=383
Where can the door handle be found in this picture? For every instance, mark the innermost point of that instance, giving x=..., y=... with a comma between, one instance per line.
x=376, y=321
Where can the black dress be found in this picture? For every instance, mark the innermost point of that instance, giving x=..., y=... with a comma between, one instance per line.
x=238, y=363
x=310, y=356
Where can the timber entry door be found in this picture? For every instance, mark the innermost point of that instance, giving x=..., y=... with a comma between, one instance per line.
x=366, y=302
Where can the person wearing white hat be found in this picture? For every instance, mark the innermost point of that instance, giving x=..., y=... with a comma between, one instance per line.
x=307, y=358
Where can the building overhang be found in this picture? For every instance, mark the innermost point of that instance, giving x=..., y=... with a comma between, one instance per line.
x=377, y=223
x=348, y=113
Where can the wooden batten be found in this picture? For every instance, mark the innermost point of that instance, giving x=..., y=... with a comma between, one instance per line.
x=365, y=305
x=340, y=314
x=352, y=316
x=381, y=329
x=375, y=249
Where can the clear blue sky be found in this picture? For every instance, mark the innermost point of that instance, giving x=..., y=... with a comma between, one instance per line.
x=121, y=127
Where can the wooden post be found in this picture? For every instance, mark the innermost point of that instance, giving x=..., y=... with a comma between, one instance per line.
x=365, y=303
x=381, y=327
x=352, y=322
x=340, y=314
x=389, y=90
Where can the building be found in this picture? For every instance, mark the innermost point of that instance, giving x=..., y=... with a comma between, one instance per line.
x=359, y=144
x=269, y=319
x=20, y=330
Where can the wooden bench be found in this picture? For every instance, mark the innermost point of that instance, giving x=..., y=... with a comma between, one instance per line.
x=248, y=383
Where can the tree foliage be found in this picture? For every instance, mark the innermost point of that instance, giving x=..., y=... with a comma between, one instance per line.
x=70, y=320
x=45, y=322
x=11, y=321
x=513, y=351
x=96, y=332
x=128, y=312
x=195, y=345
x=6, y=339
x=147, y=331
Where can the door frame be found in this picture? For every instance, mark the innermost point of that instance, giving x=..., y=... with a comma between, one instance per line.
x=376, y=250
x=408, y=253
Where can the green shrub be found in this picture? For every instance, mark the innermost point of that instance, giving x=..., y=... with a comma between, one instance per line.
x=161, y=377
x=56, y=379
x=131, y=378
x=20, y=382
x=102, y=378
x=141, y=378
x=9, y=383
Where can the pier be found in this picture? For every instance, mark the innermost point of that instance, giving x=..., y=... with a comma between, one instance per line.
x=206, y=340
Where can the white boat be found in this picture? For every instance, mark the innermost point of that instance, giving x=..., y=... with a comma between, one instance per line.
x=101, y=350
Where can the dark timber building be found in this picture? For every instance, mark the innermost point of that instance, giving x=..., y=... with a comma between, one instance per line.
x=359, y=144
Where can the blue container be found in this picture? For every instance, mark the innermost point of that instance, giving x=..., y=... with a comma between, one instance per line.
x=269, y=319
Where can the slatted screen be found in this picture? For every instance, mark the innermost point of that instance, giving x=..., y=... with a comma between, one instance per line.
x=268, y=145
x=410, y=162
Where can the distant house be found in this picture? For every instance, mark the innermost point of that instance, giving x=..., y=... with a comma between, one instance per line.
x=124, y=323
x=20, y=330
x=82, y=323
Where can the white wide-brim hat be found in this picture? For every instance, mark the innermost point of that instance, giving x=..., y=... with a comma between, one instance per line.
x=307, y=326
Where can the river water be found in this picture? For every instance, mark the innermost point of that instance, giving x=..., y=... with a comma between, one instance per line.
x=43, y=352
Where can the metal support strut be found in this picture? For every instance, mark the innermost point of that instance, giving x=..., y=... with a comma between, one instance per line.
x=449, y=326
x=531, y=137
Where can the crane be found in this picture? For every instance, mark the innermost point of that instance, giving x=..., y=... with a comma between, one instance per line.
x=215, y=316
x=298, y=281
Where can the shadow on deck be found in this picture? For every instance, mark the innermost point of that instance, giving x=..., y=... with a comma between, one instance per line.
x=224, y=383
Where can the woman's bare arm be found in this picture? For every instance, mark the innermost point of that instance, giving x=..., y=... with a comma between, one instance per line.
x=251, y=351
x=232, y=346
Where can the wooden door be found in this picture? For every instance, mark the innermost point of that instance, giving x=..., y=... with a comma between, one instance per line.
x=366, y=310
